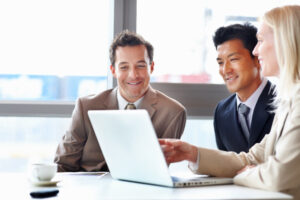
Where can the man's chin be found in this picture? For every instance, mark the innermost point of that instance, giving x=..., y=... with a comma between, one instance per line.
x=134, y=97
x=231, y=89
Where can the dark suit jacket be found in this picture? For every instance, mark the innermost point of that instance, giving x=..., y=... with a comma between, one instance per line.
x=229, y=135
x=79, y=149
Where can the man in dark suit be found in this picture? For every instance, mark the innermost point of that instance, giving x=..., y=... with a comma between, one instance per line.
x=131, y=64
x=242, y=119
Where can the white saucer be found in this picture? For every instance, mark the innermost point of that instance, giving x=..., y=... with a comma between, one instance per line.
x=45, y=183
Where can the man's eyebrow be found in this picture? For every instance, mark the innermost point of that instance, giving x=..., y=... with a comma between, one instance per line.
x=232, y=54
x=122, y=63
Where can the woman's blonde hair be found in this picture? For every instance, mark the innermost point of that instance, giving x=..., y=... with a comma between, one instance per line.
x=285, y=23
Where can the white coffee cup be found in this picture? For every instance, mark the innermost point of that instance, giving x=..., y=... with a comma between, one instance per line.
x=43, y=171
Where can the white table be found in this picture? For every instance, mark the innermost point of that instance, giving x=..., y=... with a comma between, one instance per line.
x=83, y=186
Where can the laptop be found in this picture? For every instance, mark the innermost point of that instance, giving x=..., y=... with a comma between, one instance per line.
x=132, y=152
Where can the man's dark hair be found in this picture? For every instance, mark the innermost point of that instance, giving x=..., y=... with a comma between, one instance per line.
x=244, y=32
x=127, y=38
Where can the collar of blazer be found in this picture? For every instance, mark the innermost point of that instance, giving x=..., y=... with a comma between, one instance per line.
x=111, y=102
x=148, y=102
x=284, y=110
x=276, y=132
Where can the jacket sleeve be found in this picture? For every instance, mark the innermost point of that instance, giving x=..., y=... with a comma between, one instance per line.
x=218, y=163
x=69, y=150
x=227, y=164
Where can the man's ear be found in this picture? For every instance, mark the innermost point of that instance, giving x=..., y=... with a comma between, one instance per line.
x=151, y=67
x=113, y=70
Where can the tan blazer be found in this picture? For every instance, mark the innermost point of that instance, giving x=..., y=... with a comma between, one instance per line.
x=277, y=156
x=79, y=149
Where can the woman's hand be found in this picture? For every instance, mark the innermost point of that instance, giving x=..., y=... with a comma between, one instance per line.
x=176, y=150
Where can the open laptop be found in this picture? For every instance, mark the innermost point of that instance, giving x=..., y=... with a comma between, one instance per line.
x=132, y=151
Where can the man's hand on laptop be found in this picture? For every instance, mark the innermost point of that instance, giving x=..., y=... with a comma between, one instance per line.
x=176, y=150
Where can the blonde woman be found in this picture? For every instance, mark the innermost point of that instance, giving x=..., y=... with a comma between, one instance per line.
x=274, y=163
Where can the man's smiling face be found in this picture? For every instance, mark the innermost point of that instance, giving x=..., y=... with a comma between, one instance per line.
x=132, y=70
x=240, y=71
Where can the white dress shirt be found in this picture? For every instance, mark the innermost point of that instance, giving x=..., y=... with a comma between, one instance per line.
x=122, y=103
x=252, y=100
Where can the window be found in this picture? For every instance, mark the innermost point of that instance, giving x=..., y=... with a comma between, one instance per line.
x=181, y=33
x=24, y=140
x=53, y=50
x=49, y=51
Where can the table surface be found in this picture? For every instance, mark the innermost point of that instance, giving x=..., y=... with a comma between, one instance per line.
x=99, y=186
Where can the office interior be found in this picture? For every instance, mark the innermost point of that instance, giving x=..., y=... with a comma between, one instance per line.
x=56, y=51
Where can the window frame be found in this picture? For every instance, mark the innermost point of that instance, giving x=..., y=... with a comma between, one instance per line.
x=199, y=99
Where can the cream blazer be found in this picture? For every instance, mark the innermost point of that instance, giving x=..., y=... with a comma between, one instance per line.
x=277, y=156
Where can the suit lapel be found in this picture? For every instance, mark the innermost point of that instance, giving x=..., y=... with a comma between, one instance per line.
x=281, y=120
x=269, y=147
x=276, y=132
x=111, y=102
x=261, y=113
x=149, y=100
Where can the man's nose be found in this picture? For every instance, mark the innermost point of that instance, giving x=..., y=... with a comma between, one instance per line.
x=226, y=68
x=133, y=73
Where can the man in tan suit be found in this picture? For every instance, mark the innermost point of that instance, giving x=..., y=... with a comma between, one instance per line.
x=131, y=64
x=274, y=163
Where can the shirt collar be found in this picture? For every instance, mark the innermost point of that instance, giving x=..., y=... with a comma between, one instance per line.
x=122, y=103
x=252, y=100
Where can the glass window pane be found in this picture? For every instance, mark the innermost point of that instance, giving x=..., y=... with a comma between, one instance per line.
x=181, y=33
x=53, y=50
x=27, y=139
x=200, y=132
